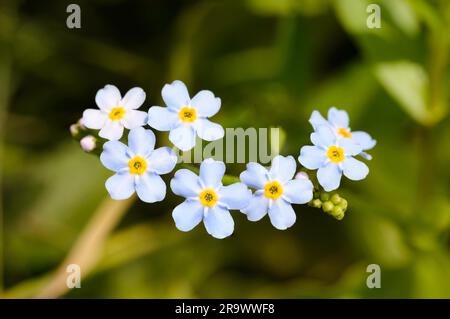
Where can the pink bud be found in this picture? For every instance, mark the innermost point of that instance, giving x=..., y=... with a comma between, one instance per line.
x=88, y=143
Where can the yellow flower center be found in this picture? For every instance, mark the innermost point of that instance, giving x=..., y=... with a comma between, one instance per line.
x=137, y=165
x=273, y=190
x=344, y=132
x=117, y=113
x=335, y=154
x=208, y=197
x=187, y=114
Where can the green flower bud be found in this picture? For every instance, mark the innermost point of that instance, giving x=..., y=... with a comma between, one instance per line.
x=327, y=206
x=343, y=204
x=317, y=203
x=337, y=213
x=324, y=197
x=336, y=199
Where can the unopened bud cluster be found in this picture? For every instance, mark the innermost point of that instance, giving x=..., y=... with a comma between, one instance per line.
x=331, y=203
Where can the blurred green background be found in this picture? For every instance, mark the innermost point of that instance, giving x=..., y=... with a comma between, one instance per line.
x=272, y=62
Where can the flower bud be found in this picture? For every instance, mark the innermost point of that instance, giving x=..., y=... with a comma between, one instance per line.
x=88, y=143
x=317, y=203
x=343, y=204
x=302, y=175
x=337, y=212
x=336, y=199
x=74, y=130
x=324, y=197
x=327, y=206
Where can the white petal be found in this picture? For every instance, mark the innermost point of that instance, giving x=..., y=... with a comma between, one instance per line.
x=298, y=191
x=108, y=97
x=141, y=141
x=283, y=168
x=134, y=98
x=317, y=119
x=183, y=137
x=218, y=222
x=120, y=186
x=354, y=169
x=254, y=176
x=235, y=196
x=133, y=119
x=323, y=136
x=364, y=139
x=350, y=146
x=208, y=130
x=211, y=173
x=162, y=160
x=162, y=118
x=365, y=155
x=329, y=176
x=185, y=183
x=187, y=215
x=94, y=119
x=150, y=187
x=206, y=103
x=338, y=118
x=282, y=215
x=114, y=156
x=112, y=130
x=312, y=157
x=175, y=95
x=257, y=207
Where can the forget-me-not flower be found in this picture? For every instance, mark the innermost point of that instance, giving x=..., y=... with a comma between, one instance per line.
x=338, y=121
x=207, y=199
x=185, y=117
x=137, y=166
x=275, y=191
x=115, y=112
x=332, y=156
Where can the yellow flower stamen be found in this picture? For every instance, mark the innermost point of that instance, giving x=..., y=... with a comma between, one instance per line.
x=273, y=190
x=187, y=114
x=335, y=154
x=344, y=132
x=208, y=197
x=117, y=113
x=137, y=165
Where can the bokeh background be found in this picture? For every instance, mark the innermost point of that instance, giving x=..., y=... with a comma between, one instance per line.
x=272, y=62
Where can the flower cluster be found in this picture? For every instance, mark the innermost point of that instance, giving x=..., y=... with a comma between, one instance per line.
x=137, y=165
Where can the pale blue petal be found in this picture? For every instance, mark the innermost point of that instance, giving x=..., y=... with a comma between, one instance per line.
x=218, y=222
x=312, y=157
x=150, y=187
x=94, y=119
x=133, y=99
x=175, y=95
x=338, y=118
x=350, y=146
x=365, y=156
x=185, y=183
x=364, y=139
x=254, y=176
x=206, y=103
x=317, y=119
x=208, y=130
x=283, y=168
x=329, y=176
x=187, y=215
x=235, y=196
x=282, y=215
x=133, y=119
x=298, y=191
x=162, y=118
x=141, y=141
x=162, y=160
x=112, y=130
x=120, y=186
x=114, y=156
x=183, y=137
x=108, y=98
x=323, y=136
x=257, y=207
x=211, y=173
x=354, y=169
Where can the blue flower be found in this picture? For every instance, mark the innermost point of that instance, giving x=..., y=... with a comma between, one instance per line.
x=137, y=166
x=207, y=199
x=185, y=117
x=275, y=191
x=338, y=122
x=332, y=156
